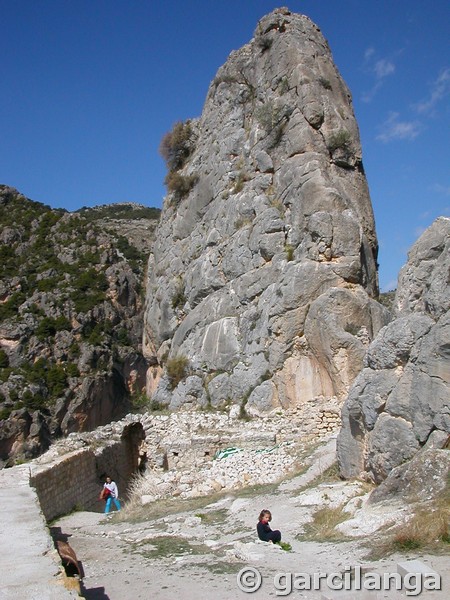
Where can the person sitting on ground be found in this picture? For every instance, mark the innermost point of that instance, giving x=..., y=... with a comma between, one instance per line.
x=110, y=493
x=263, y=528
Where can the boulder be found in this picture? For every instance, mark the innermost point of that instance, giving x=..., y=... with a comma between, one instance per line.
x=400, y=402
x=421, y=479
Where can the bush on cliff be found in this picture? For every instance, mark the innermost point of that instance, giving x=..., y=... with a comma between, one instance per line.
x=176, y=145
x=177, y=368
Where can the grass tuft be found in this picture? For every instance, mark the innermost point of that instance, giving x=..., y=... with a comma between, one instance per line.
x=427, y=530
x=323, y=526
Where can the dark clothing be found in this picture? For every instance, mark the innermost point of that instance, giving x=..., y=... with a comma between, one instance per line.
x=266, y=534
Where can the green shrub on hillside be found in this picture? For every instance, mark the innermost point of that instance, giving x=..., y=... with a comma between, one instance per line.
x=95, y=333
x=89, y=258
x=89, y=289
x=129, y=212
x=325, y=83
x=34, y=372
x=47, y=285
x=56, y=380
x=86, y=302
x=5, y=373
x=74, y=350
x=46, y=222
x=8, y=261
x=72, y=370
x=8, y=309
x=265, y=43
x=387, y=299
x=52, y=377
x=71, y=227
x=33, y=401
x=4, y=360
x=21, y=211
x=139, y=401
x=179, y=296
x=290, y=252
x=5, y=412
x=48, y=326
x=241, y=178
x=90, y=280
x=130, y=252
x=269, y=115
x=122, y=337
x=176, y=147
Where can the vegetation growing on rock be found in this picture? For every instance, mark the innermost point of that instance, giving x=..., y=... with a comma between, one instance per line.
x=70, y=326
x=176, y=147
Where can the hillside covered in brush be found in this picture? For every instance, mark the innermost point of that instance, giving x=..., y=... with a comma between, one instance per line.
x=71, y=303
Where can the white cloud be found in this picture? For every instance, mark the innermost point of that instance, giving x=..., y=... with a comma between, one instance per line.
x=394, y=129
x=442, y=189
x=439, y=89
x=383, y=68
x=368, y=96
x=379, y=69
x=369, y=53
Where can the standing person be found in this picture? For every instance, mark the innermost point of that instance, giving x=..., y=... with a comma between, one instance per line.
x=263, y=528
x=110, y=492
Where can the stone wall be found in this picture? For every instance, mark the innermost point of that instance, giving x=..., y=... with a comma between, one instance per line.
x=66, y=483
x=199, y=450
x=70, y=475
x=74, y=479
x=120, y=460
x=329, y=419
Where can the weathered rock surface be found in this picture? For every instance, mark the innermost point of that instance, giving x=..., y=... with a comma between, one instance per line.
x=400, y=402
x=264, y=270
x=70, y=318
x=421, y=479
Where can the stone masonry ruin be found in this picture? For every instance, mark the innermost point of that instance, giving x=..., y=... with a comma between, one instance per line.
x=70, y=475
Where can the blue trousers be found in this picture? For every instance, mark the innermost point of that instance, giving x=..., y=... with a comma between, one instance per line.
x=108, y=504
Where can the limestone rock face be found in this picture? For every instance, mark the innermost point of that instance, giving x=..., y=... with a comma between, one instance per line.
x=400, y=402
x=263, y=271
x=421, y=479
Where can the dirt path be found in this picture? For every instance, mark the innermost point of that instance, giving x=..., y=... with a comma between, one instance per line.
x=195, y=549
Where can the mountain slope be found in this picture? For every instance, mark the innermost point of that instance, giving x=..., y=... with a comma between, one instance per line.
x=70, y=317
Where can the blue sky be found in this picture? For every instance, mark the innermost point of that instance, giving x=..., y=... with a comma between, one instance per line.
x=89, y=87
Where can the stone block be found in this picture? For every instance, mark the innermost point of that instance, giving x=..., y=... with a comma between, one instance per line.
x=415, y=566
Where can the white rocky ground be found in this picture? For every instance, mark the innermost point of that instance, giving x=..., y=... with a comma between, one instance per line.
x=195, y=547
